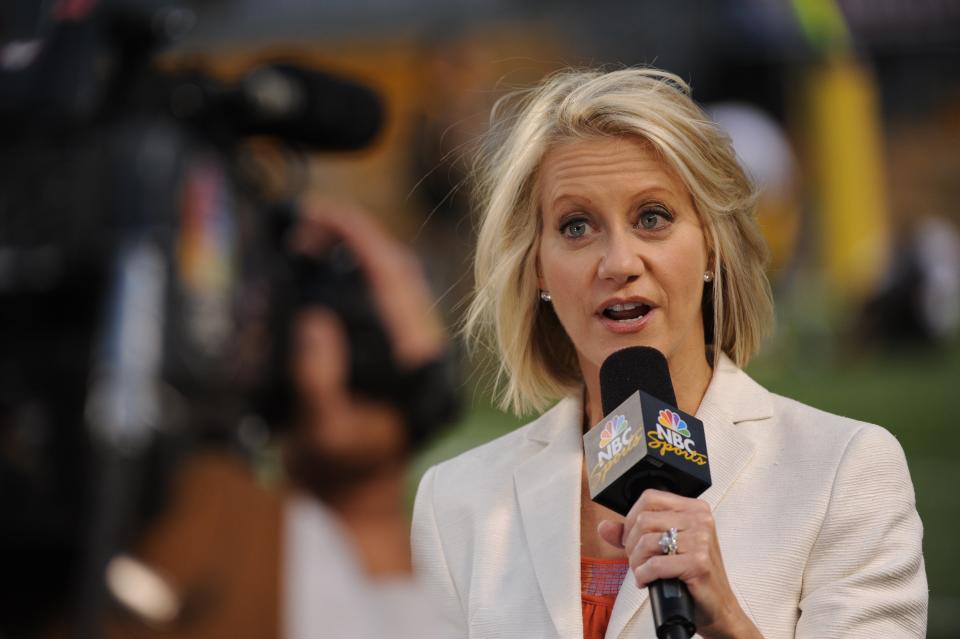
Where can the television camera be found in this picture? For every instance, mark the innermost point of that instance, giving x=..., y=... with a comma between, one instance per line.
x=145, y=288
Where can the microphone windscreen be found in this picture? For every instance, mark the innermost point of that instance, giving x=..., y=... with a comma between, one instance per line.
x=631, y=369
x=309, y=107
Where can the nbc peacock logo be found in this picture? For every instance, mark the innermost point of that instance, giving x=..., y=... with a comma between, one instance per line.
x=674, y=422
x=671, y=435
x=611, y=429
x=616, y=440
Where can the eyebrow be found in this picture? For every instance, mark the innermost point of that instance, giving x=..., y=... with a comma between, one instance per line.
x=569, y=197
x=655, y=189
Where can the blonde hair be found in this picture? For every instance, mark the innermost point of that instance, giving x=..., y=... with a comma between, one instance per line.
x=537, y=361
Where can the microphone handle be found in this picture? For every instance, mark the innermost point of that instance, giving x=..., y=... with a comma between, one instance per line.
x=672, y=609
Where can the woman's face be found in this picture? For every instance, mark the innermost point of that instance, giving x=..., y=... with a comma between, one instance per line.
x=622, y=252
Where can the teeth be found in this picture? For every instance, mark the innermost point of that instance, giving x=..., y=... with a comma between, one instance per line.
x=624, y=307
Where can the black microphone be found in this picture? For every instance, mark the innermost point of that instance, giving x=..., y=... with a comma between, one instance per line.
x=643, y=442
x=308, y=107
x=295, y=105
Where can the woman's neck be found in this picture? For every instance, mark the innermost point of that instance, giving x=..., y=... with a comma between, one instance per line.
x=689, y=382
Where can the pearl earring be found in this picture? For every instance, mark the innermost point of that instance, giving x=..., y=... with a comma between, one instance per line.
x=708, y=276
x=545, y=297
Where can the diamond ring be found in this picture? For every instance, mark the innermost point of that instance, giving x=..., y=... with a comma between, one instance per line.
x=668, y=542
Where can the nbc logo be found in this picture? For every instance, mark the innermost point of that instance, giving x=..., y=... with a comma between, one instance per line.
x=613, y=438
x=672, y=429
x=611, y=429
x=674, y=422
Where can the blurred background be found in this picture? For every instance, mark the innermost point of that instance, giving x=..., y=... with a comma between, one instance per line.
x=846, y=112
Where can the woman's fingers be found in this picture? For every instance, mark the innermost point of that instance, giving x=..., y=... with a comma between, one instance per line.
x=646, y=546
x=698, y=563
x=658, y=511
x=396, y=280
x=660, y=567
x=655, y=513
x=382, y=258
x=654, y=522
x=657, y=500
x=324, y=220
x=611, y=532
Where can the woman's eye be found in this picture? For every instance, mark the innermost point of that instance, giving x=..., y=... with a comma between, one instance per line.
x=574, y=228
x=653, y=219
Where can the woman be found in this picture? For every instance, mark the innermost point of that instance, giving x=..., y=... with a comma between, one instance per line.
x=615, y=214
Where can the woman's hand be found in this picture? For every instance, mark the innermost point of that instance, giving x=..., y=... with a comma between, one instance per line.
x=697, y=563
x=397, y=284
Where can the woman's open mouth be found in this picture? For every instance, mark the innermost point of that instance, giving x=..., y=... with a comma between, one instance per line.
x=626, y=317
x=628, y=311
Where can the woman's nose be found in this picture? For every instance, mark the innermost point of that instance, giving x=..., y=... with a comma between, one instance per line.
x=621, y=261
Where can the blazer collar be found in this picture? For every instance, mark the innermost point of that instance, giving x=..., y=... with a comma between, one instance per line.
x=732, y=397
x=548, y=492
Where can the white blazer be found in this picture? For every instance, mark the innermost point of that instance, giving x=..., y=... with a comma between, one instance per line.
x=815, y=515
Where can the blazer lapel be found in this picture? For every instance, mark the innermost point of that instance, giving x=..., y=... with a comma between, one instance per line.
x=548, y=492
x=731, y=397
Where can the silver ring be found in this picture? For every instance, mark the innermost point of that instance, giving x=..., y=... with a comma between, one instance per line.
x=668, y=542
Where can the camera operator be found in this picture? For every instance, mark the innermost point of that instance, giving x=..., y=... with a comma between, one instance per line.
x=347, y=455
x=328, y=555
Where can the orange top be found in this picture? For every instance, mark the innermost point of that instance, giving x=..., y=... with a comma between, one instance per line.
x=600, y=581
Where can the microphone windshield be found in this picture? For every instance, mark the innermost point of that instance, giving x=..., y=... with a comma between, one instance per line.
x=308, y=107
x=631, y=369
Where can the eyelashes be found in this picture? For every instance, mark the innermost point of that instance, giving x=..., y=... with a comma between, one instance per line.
x=653, y=218
x=650, y=218
x=574, y=227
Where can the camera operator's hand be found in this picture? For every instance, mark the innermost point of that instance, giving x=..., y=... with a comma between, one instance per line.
x=397, y=283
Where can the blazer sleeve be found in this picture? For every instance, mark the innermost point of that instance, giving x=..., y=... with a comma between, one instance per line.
x=430, y=561
x=865, y=574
